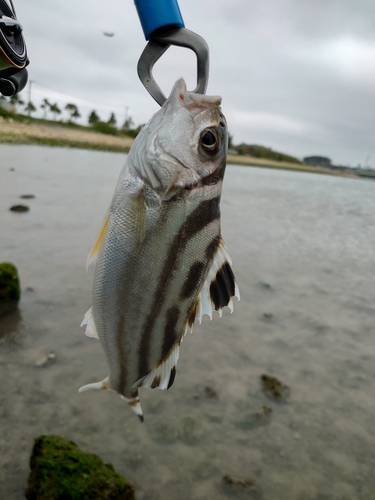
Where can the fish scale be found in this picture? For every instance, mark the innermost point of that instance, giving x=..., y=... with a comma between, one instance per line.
x=161, y=260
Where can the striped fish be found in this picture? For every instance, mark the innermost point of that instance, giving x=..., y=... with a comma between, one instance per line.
x=161, y=261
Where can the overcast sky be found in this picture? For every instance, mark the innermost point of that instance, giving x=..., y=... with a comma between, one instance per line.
x=295, y=75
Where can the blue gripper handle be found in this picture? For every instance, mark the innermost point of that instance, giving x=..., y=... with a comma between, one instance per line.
x=155, y=14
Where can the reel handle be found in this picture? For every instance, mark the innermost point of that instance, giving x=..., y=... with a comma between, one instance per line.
x=13, y=53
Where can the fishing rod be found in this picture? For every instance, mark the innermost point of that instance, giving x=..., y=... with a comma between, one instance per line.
x=163, y=26
x=13, y=53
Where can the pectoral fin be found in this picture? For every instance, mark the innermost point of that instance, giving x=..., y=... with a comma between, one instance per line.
x=98, y=244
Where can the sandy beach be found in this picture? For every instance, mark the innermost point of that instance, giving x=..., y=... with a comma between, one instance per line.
x=21, y=133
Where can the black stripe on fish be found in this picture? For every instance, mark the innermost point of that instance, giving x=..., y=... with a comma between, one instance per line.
x=172, y=377
x=222, y=287
x=228, y=276
x=192, y=314
x=170, y=332
x=192, y=279
x=121, y=356
x=205, y=213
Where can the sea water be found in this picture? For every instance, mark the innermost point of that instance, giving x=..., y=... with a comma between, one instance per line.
x=303, y=251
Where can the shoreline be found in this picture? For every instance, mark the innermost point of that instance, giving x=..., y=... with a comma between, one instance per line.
x=58, y=136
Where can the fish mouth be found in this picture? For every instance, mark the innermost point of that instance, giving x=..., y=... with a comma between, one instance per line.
x=209, y=180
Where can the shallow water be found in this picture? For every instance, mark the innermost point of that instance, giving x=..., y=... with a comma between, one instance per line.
x=303, y=249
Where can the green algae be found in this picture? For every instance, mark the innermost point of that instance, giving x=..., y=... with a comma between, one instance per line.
x=61, y=471
x=9, y=288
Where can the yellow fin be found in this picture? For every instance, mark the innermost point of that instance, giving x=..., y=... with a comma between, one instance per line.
x=98, y=244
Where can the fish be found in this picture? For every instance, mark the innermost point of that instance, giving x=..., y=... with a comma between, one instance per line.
x=161, y=262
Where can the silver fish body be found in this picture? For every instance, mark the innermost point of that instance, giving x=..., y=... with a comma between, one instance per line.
x=161, y=260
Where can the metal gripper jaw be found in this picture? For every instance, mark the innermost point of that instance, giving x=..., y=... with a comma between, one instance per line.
x=158, y=44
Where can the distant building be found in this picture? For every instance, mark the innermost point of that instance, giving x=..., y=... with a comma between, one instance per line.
x=317, y=161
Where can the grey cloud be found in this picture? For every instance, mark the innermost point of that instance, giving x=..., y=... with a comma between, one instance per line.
x=268, y=59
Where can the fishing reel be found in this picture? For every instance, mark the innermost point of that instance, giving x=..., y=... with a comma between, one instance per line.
x=13, y=53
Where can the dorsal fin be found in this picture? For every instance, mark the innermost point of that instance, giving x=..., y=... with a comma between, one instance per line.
x=219, y=287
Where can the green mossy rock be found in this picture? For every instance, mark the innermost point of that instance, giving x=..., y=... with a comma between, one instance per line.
x=61, y=471
x=9, y=288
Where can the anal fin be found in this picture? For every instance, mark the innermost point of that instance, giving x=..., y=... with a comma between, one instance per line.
x=162, y=377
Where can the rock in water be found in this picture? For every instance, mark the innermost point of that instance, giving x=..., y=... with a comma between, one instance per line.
x=19, y=208
x=61, y=471
x=9, y=288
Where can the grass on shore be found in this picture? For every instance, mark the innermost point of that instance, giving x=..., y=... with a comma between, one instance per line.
x=100, y=143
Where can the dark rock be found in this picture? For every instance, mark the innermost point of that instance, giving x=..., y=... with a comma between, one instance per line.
x=268, y=315
x=274, y=387
x=263, y=412
x=238, y=482
x=265, y=285
x=61, y=471
x=210, y=392
x=12, y=329
x=252, y=492
x=27, y=196
x=9, y=288
x=19, y=208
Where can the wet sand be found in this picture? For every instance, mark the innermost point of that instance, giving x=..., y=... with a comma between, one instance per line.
x=302, y=247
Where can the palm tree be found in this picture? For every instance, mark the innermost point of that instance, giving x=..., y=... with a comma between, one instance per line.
x=76, y=114
x=55, y=110
x=93, y=117
x=112, y=120
x=73, y=111
x=16, y=100
x=30, y=108
x=46, y=106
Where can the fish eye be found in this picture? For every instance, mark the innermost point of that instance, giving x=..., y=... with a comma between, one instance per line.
x=210, y=141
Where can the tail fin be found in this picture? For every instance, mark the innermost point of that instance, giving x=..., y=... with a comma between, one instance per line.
x=133, y=401
x=135, y=405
